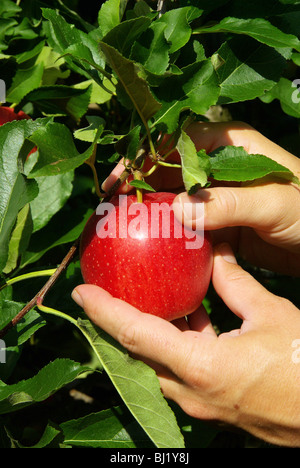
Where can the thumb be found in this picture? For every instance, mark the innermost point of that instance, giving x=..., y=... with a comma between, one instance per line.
x=242, y=293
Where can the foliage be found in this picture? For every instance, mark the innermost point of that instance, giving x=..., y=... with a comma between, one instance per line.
x=100, y=85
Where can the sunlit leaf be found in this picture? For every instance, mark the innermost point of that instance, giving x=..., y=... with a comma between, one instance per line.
x=136, y=87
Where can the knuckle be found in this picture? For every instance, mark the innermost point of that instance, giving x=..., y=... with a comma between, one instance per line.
x=228, y=202
x=237, y=275
x=282, y=304
x=127, y=336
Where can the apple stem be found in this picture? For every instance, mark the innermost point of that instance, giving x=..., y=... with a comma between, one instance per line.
x=56, y=312
x=164, y=163
x=151, y=170
x=139, y=192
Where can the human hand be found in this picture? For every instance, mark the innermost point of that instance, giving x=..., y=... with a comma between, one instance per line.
x=247, y=378
x=260, y=220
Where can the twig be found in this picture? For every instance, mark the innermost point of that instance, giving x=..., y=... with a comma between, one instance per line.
x=38, y=298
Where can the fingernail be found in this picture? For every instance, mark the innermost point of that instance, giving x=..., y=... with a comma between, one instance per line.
x=77, y=297
x=226, y=252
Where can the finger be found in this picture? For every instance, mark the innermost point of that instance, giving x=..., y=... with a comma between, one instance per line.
x=199, y=321
x=181, y=324
x=196, y=404
x=255, y=207
x=243, y=295
x=142, y=334
x=113, y=177
x=221, y=207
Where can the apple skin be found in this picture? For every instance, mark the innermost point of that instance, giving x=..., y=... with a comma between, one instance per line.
x=7, y=114
x=157, y=275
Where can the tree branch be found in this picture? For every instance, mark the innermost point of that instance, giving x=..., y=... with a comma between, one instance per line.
x=38, y=298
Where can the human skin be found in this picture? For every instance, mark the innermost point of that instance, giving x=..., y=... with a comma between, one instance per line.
x=247, y=378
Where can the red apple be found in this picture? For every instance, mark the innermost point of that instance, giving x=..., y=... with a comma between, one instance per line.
x=129, y=252
x=7, y=114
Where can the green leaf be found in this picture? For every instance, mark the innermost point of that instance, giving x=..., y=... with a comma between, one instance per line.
x=63, y=228
x=99, y=94
x=47, y=438
x=178, y=30
x=136, y=87
x=287, y=93
x=50, y=378
x=123, y=36
x=258, y=28
x=111, y=428
x=128, y=145
x=96, y=125
x=6, y=26
x=196, y=89
x=194, y=175
x=61, y=34
x=65, y=38
x=58, y=100
x=15, y=190
x=57, y=151
x=53, y=193
x=141, y=184
x=24, y=30
x=54, y=66
x=152, y=49
x=17, y=335
x=23, y=329
x=81, y=57
x=19, y=238
x=248, y=70
x=109, y=16
x=9, y=9
x=137, y=385
x=235, y=164
x=25, y=81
